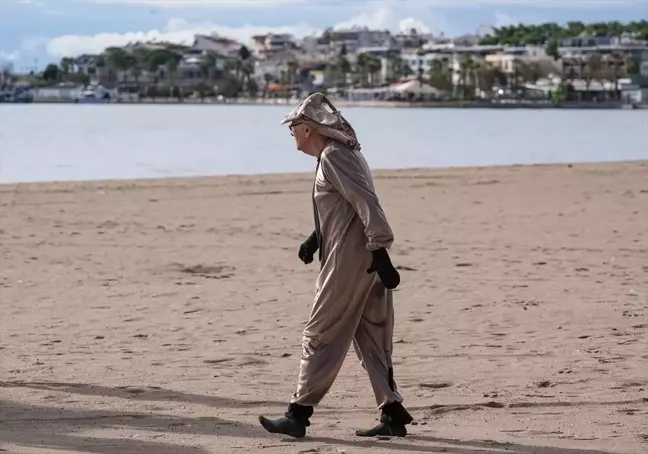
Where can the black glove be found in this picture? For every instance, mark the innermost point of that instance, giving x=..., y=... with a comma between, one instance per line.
x=308, y=248
x=381, y=264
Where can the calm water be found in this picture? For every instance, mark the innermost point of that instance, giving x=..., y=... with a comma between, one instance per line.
x=78, y=142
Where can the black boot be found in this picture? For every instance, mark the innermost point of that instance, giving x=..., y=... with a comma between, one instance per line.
x=293, y=424
x=393, y=420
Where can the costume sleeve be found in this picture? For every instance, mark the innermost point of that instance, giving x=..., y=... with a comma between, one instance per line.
x=351, y=178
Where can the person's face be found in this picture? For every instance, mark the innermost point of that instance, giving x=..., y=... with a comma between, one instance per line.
x=300, y=132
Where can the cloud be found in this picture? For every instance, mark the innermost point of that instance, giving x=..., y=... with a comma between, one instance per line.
x=410, y=23
x=393, y=15
x=180, y=31
x=194, y=3
x=568, y=4
x=385, y=18
x=176, y=31
x=28, y=45
x=427, y=3
x=504, y=20
x=380, y=19
x=9, y=56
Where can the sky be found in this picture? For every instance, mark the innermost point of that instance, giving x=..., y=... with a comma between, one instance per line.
x=34, y=33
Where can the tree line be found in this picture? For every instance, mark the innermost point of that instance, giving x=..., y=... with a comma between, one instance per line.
x=542, y=34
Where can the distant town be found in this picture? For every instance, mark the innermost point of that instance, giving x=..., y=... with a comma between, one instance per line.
x=599, y=63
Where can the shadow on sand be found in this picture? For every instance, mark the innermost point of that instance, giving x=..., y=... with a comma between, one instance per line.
x=149, y=393
x=449, y=445
x=60, y=428
x=55, y=427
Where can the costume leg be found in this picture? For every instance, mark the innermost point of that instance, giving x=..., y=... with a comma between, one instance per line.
x=343, y=289
x=373, y=344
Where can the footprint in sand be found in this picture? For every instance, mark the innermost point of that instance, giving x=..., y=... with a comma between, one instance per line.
x=405, y=268
x=217, y=361
x=437, y=385
x=192, y=311
x=207, y=271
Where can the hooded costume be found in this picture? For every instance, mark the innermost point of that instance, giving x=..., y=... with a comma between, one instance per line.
x=353, y=299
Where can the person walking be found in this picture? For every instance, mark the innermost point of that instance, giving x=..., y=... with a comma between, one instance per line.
x=353, y=300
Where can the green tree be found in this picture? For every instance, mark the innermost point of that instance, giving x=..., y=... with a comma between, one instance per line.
x=367, y=67
x=398, y=67
x=539, y=34
x=252, y=87
x=374, y=67
x=244, y=53
x=118, y=61
x=633, y=66
x=172, y=68
x=441, y=74
x=343, y=66
x=229, y=86
x=66, y=65
x=467, y=80
x=552, y=49
x=489, y=77
x=594, y=67
x=51, y=73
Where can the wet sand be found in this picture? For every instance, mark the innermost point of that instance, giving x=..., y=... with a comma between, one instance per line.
x=163, y=316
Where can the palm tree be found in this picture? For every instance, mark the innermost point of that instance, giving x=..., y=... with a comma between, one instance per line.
x=118, y=61
x=343, y=67
x=209, y=63
x=441, y=74
x=361, y=68
x=242, y=65
x=616, y=67
x=67, y=66
x=398, y=68
x=247, y=70
x=374, y=66
x=467, y=68
x=490, y=76
x=267, y=78
x=136, y=72
x=172, y=68
x=633, y=66
x=594, y=66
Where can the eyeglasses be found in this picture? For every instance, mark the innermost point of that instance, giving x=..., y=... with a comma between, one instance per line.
x=292, y=125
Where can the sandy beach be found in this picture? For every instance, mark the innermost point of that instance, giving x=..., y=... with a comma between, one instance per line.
x=163, y=316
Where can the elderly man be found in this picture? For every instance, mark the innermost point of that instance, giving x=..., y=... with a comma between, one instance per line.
x=353, y=299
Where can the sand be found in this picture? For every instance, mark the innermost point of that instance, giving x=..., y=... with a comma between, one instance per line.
x=164, y=316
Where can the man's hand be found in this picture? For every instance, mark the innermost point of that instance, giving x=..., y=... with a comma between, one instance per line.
x=308, y=249
x=381, y=264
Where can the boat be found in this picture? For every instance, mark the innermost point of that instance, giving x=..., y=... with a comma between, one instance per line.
x=21, y=92
x=93, y=95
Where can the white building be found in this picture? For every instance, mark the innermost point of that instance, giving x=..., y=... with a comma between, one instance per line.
x=216, y=44
x=422, y=62
x=507, y=60
x=355, y=38
x=262, y=45
x=643, y=67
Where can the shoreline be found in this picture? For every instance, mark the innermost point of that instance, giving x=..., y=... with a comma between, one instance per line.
x=378, y=173
x=572, y=105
